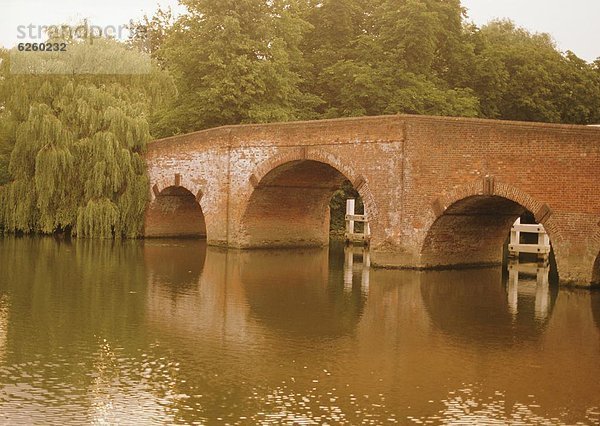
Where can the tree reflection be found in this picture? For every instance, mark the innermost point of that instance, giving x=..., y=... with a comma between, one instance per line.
x=63, y=290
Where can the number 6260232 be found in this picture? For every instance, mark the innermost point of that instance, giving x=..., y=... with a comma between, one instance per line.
x=42, y=47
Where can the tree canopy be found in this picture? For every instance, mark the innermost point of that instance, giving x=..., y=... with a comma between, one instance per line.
x=76, y=143
x=260, y=61
x=234, y=62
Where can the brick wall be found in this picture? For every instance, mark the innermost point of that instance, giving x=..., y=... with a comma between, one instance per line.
x=439, y=191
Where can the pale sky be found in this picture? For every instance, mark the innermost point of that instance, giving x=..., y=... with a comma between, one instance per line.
x=574, y=24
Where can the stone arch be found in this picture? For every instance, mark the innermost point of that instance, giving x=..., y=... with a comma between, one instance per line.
x=319, y=174
x=359, y=182
x=163, y=181
x=469, y=224
x=174, y=212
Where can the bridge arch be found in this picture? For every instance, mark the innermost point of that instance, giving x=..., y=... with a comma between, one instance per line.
x=470, y=224
x=288, y=204
x=175, y=212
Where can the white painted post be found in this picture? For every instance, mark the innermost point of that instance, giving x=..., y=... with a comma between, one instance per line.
x=350, y=223
x=544, y=241
x=515, y=237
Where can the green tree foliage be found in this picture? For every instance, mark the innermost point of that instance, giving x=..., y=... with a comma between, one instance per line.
x=522, y=76
x=7, y=130
x=234, y=62
x=337, y=207
x=76, y=145
x=260, y=61
x=385, y=57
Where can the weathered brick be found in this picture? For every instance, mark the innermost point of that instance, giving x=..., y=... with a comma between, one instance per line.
x=439, y=191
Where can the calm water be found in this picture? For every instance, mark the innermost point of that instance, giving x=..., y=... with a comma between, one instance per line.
x=174, y=332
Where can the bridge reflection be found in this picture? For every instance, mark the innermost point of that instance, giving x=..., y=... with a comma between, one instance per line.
x=173, y=325
x=197, y=290
x=297, y=292
x=319, y=292
x=477, y=305
x=175, y=264
x=595, y=296
x=361, y=265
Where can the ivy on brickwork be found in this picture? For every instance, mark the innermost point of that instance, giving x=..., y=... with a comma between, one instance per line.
x=76, y=144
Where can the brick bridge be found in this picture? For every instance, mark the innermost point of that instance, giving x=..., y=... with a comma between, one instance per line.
x=439, y=192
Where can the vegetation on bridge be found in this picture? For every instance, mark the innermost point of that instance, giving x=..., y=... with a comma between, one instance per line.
x=71, y=145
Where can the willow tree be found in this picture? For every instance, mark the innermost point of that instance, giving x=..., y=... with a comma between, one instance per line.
x=77, y=124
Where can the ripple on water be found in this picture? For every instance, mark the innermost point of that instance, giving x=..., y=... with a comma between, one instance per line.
x=152, y=334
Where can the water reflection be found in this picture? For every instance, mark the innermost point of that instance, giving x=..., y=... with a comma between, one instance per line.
x=595, y=297
x=65, y=300
x=174, y=332
x=53, y=283
x=297, y=292
x=527, y=283
x=476, y=306
x=175, y=264
x=3, y=325
x=362, y=264
x=201, y=305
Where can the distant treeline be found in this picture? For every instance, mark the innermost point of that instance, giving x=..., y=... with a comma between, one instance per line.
x=71, y=145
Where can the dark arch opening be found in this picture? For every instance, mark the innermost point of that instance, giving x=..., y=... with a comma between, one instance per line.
x=596, y=271
x=472, y=232
x=175, y=213
x=290, y=206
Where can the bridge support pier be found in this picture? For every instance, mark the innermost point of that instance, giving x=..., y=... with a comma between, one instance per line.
x=576, y=270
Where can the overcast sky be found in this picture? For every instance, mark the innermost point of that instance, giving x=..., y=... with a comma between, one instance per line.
x=574, y=24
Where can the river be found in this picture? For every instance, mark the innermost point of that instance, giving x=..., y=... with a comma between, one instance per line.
x=175, y=332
